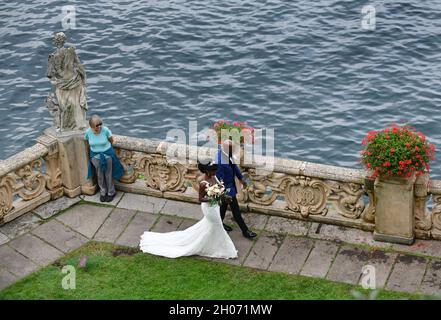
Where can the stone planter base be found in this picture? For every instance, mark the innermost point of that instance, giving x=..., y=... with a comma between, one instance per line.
x=394, y=217
x=393, y=238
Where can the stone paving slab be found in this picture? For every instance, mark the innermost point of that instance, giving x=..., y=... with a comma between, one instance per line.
x=432, y=280
x=263, y=251
x=320, y=258
x=407, y=273
x=141, y=202
x=53, y=207
x=383, y=263
x=21, y=225
x=85, y=218
x=3, y=238
x=343, y=234
x=96, y=198
x=289, y=226
x=182, y=209
x=60, y=236
x=132, y=234
x=292, y=254
x=6, y=279
x=252, y=220
x=167, y=224
x=348, y=264
x=114, y=225
x=186, y=223
x=15, y=263
x=255, y=221
x=242, y=244
x=36, y=249
x=425, y=247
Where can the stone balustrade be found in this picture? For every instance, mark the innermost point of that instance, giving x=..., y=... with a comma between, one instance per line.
x=29, y=179
x=292, y=189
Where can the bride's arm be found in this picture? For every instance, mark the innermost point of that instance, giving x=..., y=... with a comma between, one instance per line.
x=202, y=197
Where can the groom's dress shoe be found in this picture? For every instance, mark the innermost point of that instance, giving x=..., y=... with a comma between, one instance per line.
x=249, y=234
x=227, y=228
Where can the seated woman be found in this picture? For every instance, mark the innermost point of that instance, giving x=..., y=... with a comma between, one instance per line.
x=103, y=159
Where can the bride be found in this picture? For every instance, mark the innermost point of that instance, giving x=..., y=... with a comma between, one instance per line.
x=205, y=238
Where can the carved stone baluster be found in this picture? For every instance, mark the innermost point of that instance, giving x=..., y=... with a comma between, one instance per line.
x=422, y=218
x=6, y=195
x=128, y=160
x=368, y=214
x=436, y=212
x=54, y=183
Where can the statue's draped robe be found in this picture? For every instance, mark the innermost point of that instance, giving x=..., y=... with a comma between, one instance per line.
x=69, y=77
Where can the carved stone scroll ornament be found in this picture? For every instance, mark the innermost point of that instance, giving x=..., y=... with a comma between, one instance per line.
x=163, y=176
x=264, y=188
x=33, y=180
x=6, y=195
x=436, y=212
x=348, y=199
x=306, y=195
x=130, y=162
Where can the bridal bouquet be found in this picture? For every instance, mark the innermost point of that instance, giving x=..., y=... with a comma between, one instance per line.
x=216, y=193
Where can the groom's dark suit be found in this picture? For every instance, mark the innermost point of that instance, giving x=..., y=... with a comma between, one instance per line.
x=227, y=170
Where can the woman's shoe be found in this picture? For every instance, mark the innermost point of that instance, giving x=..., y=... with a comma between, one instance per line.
x=103, y=198
x=109, y=198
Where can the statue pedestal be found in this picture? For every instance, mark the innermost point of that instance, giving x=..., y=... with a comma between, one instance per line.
x=74, y=162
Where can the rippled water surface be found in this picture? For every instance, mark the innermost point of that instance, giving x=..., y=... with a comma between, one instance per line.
x=304, y=68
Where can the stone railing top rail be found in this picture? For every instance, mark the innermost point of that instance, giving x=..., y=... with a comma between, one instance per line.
x=435, y=186
x=22, y=158
x=175, y=151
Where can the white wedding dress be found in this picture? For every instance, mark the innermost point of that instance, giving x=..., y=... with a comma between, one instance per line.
x=205, y=238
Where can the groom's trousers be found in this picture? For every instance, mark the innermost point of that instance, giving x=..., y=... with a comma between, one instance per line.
x=234, y=205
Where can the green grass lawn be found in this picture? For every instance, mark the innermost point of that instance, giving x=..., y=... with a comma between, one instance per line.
x=120, y=273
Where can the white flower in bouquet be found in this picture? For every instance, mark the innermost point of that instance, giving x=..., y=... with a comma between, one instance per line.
x=215, y=193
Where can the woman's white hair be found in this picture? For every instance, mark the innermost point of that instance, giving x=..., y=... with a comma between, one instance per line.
x=94, y=119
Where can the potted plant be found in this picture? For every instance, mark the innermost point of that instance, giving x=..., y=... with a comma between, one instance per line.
x=395, y=156
x=233, y=130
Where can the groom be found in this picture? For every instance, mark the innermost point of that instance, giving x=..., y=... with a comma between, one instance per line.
x=226, y=171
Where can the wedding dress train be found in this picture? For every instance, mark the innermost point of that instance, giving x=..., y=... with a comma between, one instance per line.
x=205, y=238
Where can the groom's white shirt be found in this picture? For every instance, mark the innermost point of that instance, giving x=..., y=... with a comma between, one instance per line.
x=224, y=158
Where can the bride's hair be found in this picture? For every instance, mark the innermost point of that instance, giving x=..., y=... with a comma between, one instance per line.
x=206, y=165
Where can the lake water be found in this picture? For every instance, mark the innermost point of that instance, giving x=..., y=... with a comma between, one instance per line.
x=306, y=69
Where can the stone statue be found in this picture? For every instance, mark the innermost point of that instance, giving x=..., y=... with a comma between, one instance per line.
x=67, y=104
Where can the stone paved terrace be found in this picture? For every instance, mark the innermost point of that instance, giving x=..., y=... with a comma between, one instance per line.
x=336, y=253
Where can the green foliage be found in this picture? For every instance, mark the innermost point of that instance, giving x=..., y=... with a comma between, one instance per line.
x=234, y=131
